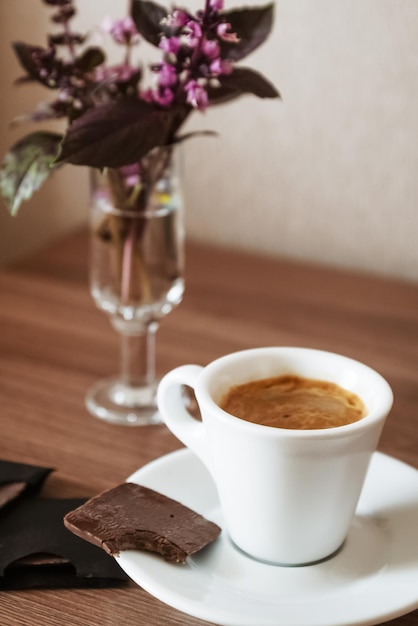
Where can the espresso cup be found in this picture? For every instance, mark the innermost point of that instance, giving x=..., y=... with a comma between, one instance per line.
x=287, y=496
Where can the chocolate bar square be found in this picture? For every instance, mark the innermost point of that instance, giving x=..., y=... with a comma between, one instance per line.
x=133, y=517
x=17, y=479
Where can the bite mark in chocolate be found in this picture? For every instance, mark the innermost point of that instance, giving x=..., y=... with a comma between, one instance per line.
x=133, y=517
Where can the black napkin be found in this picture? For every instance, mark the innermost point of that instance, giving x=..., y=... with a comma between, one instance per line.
x=36, y=550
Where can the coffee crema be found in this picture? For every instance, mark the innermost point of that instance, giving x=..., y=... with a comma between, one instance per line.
x=293, y=402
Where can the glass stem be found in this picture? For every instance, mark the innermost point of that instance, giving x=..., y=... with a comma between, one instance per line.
x=138, y=357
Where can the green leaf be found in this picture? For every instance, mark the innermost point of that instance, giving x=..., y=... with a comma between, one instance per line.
x=148, y=16
x=115, y=134
x=27, y=166
x=242, y=80
x=252, y=25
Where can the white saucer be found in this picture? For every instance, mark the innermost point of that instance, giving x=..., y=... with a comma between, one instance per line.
x=372, y=579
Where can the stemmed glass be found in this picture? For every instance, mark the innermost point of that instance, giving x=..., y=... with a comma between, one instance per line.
x=136, y=278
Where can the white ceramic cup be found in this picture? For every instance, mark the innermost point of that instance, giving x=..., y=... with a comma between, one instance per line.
x=287, y=496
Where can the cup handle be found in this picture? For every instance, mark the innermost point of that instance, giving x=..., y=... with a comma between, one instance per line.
x=171, y=405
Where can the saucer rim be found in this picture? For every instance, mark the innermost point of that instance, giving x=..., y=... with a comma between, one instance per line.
x=128, y=560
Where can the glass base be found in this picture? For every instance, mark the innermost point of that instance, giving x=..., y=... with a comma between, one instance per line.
x=116, y=403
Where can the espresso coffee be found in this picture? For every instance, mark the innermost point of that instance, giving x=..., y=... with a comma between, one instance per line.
x=293, y=402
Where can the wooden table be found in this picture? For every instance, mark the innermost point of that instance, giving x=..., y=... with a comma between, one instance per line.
x=54, y=344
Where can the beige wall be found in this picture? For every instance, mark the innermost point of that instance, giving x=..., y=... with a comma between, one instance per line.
x=331, y=172
x=327, y=174
x=61, y=204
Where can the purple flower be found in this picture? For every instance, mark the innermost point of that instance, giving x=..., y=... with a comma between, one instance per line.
x=216, y=5
x=192, y=34
x=219, y=66
x=196, y=95
x=123, y=31
x=210, y=48
x=147, y=95
x=131, y=174
x=167, y=75
x=164, y=97
x=178, y=18
x=170, y=45
x=194, y=29
x=223, y=31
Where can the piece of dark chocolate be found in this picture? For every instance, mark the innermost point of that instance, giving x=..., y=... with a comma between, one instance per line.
x=19, y=478
x=10, y=491
x=37, y=551
x=133, y=517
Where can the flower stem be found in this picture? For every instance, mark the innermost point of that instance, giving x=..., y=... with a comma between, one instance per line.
x=126, y=273
x=133, y=265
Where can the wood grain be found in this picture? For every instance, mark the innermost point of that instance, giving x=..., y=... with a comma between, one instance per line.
x=54, y=344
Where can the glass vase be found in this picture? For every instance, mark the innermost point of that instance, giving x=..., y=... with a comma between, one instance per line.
x=136, y=277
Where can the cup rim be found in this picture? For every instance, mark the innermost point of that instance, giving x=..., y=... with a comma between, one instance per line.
x=377, y=414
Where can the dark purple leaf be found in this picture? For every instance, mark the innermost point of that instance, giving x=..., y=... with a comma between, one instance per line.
x=28, y=164
x=196, y=133
x=24, y=54
x=65, y=39
x=39, y=63
x=91, y=58
x=148, y=16
x=63, y=15
x=128, y=85
x=252, y=25
x=242, y=80
x=59, y=3
x=222, y=94
x=115, y=134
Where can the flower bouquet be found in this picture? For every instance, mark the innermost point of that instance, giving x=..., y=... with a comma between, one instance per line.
x=124, y=122
x=112, y=119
